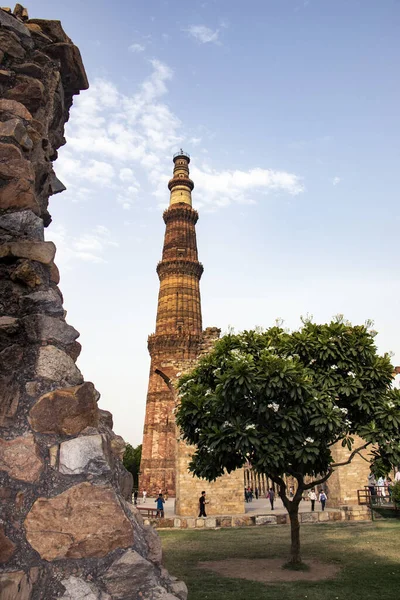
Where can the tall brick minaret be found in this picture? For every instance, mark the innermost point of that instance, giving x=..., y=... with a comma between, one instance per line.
x=178, y=338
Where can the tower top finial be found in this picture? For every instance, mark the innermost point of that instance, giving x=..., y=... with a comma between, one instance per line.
x=181, y=185
x=182, y=154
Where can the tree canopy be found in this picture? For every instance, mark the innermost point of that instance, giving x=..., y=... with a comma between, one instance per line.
x=131, y=462
x=282, y=400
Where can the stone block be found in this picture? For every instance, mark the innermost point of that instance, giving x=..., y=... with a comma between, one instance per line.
x=42, y=252
x=8, y=21
x=210, y=522
x=14, y=129
x=21, y=224
x=76, y=587
x=17, y=585
x=65, y=411
x=266, y=520
x=282, y=519
x=323, y=516
x=10, y=44
x=20, y=458
x=9, y=399
x=7, y=547
x=44, y=328
x=85, y=521
x=27, y=90
x=71, y=63
x=177, y=523
x=12, y=107
x=17, y=194
x=191, y=522
x=56, y=365
x=86, y=454
x=311, y=517
x=28, y=273
x=199, y=523
x=48, y=301
x=53, y=455
x=224, y=522
x=127, y=573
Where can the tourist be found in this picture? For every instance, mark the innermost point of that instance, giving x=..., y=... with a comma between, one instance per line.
x=271, y=497
x=256, y=493
x=135, y=497
x=144, y=496
x=389, y=484
x=160, y=506
x=250, y=494
x=312, y=496
x=322, y=499
x=371, y=483
x=202, y=505
x=246, y=495
x=381, y=486
x=397, y=476
x=291, y=491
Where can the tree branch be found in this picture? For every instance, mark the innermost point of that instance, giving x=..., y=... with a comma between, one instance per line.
x=352, y=455
x=309, y=486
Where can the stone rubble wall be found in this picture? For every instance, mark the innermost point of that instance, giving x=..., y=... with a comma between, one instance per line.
x=66, y=528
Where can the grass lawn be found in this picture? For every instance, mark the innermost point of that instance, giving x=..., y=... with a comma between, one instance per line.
x=368, y=554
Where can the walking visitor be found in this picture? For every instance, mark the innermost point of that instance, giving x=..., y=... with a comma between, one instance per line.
x=312, y=496
x=322, y=499
x=202, y=505
x=160, y=506
x=271, y=497
x=144, y=496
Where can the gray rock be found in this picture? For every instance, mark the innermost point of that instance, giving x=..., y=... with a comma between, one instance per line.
x=24, y=224
x=56, y=186
x=179, y=589
x=49, y=329
x=56, y=365
x=85, y=454
x=48, y=301
x=105, y=418
x=9, y=324
x=9, y=22
x=78, y=589
x=129, y=572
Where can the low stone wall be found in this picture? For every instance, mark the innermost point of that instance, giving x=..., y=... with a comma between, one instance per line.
x=344, y=513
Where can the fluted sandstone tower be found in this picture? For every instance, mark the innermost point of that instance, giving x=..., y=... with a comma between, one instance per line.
x=178, y=336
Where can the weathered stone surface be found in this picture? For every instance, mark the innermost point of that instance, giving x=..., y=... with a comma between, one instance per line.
x=54, y=274
x=30, y=68
x=73, y=350
x=118, y=446
x=20, y=458
x=66, y=411
x=71, y=62
x=15, y=129
x=43, y=252
x=9, y=398
x=84, y=521
x=21, y=224
x=17, y=585
x=48, y=301
x=27, y=273
x=15, y=108
x=265, y=520
x=105, y=418
x=10, y=22
x=129, y=572
x=7, y=547
x=53, y=455
x=179, y=589
x=154, y=548
x=52, y=28
x=10, y=44
x=49, y=329
x=9, y=324
x=210, y=522
x=79, y=589
x=125, y=481
x=85, y=454
x=27, y=90
x=19, y=194
x=55, y=365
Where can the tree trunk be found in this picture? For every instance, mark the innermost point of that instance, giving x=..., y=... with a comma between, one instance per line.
x=295, y=558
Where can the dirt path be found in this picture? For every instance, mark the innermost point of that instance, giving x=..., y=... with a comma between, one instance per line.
x=269, y=570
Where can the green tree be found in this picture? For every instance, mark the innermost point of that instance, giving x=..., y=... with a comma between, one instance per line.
x=281, y=401
x=131, y=462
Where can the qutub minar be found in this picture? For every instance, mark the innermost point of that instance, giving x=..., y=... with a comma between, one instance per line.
x=175, y=347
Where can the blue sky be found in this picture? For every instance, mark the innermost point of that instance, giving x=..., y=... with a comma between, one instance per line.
x=290, y=111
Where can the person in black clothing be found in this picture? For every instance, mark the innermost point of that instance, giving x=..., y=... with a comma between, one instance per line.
x=202, y=503
x=271, y=496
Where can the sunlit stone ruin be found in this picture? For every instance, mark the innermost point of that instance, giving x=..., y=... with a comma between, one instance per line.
x=66, y=530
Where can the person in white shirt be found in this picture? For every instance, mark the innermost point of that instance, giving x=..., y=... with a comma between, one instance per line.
x=397, y=476
x=144, y=496
x=313, y=496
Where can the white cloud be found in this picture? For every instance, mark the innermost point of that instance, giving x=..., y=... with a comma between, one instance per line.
x=116, y=140
x=203, y=34
x=336, y=180
x=221, y=188
x=136, y=48
x=88, y=247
